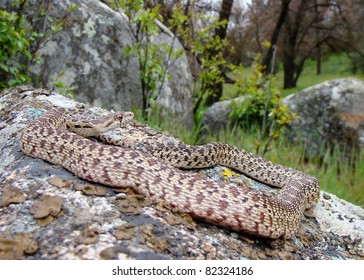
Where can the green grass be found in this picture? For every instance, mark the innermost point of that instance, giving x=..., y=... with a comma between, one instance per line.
x=348, y=184
x=334, y=67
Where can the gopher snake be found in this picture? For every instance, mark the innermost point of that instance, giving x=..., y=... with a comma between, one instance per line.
x=241, y=209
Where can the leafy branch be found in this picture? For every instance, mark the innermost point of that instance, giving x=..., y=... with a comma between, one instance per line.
x=144, y=26
x=22, y=35
x=261, y=106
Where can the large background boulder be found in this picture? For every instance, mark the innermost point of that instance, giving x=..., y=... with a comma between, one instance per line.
x=216, y=117
x=329, y=115
x=88, y=51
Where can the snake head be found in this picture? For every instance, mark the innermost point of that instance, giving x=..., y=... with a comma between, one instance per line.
x=124, y=118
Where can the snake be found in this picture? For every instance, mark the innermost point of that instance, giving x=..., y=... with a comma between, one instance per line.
x=156, y=170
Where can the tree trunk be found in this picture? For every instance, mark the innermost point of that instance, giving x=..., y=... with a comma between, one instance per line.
x=292, y=29
x=318, y=45
x=299, y=69
x=275, y=34
x=289, y=55
x=318, y=60
x=289, y=68
x=225, y=12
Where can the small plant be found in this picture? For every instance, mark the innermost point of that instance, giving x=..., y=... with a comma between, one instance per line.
x=143, y=24
x=60, y=87
x=261, y=106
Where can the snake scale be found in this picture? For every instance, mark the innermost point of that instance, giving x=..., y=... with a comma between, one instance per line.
x=152, y=171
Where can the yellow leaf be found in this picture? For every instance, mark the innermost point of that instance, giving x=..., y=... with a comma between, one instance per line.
x=227, y=173
x=266, y=44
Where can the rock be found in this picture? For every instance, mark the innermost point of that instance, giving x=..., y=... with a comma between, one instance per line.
x=15, y=246
x=176, y=97
x=329, y=115
x=91, y=225
x=216, y=117
x=88, y=51
x=46, y=206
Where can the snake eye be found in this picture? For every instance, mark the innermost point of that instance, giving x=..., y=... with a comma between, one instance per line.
x=118, y=116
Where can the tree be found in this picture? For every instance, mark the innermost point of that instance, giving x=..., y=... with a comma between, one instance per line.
x=220, y=32
x=351, y=32
x=293, y=25
x=267, y=58
x=23, y=32
x=310, y=28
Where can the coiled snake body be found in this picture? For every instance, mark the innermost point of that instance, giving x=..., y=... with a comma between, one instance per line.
x=50, y=138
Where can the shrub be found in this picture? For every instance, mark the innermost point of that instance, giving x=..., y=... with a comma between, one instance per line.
x=13, y=41
x=261, y=106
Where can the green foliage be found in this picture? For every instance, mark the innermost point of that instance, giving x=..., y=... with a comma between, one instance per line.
x=13, y=40
x=203, y=43
x=207, y=48
x=348, y=183
x=21, y=37
x=253, y=88
x=357, y=63
x=153, y=69
x=261, y=106
x=60, y=87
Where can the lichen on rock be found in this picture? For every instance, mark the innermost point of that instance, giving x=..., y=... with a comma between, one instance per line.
x=89, y=189
x=46, y=206
x=11, y=195
x=131, y=204
x=16, y=246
